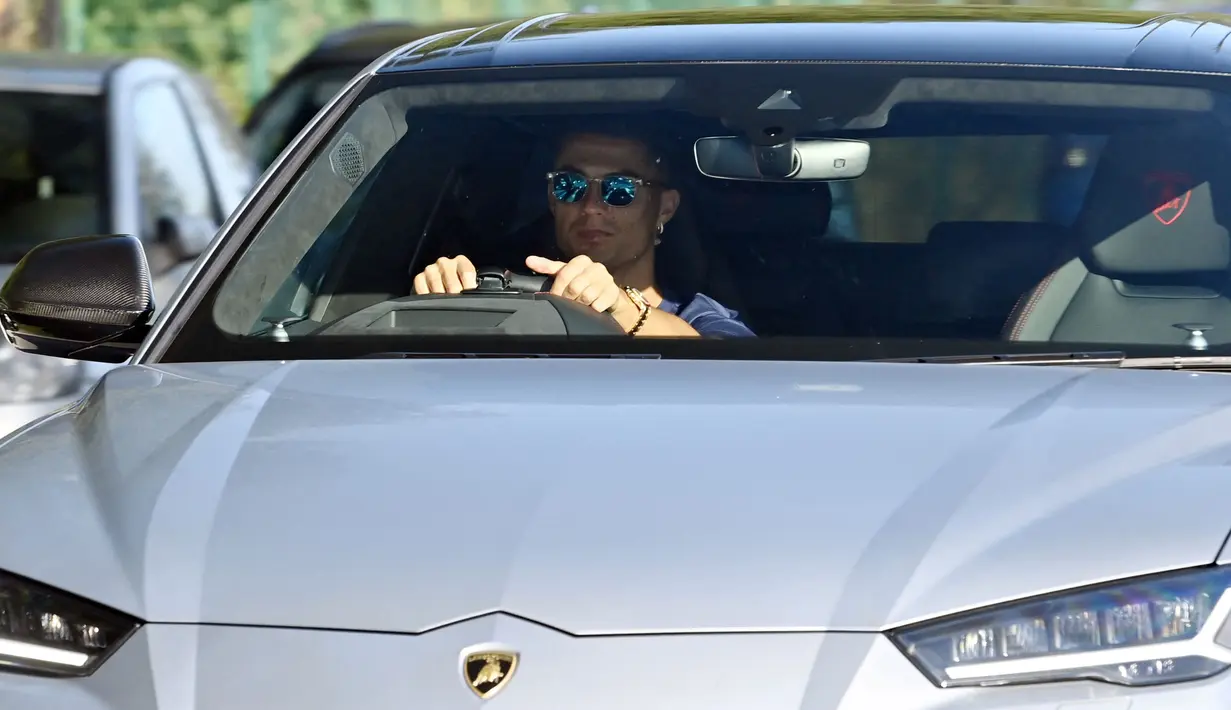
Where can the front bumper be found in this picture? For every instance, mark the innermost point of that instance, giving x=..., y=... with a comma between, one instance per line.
x=182, y=667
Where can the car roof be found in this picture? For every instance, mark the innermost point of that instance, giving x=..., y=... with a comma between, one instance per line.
x=56, y=72
x=1013, y=35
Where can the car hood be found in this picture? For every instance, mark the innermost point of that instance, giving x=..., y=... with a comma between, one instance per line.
x=613, y=496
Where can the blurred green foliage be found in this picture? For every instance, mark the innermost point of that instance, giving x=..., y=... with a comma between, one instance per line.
x=243, y=45
x=215, y=36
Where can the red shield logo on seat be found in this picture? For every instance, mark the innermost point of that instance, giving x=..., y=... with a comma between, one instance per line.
x=1165, y=198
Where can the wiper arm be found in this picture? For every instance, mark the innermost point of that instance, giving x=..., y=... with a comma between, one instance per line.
x=1107, y=358
x=1110, y=358
x=429, y=355
x=1179, y=362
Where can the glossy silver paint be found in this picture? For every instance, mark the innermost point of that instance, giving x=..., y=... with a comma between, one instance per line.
x=214, y=492
x=648, y=534
x=769, y=518
x=235, y=668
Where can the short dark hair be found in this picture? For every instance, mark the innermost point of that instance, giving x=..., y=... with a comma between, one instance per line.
x=623, y=129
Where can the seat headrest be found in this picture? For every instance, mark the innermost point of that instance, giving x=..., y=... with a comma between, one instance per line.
x=1156, y=206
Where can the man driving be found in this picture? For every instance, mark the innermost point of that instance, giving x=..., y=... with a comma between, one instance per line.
x=610, y=199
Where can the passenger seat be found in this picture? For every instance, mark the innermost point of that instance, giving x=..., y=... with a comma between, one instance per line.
x=1152, y=253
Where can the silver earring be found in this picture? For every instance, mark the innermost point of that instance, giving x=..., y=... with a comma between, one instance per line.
x=658, y=240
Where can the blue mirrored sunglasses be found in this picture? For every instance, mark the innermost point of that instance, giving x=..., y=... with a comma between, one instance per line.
x=616, y=190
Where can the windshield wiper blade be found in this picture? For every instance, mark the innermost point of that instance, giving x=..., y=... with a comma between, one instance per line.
x=1109, y=358
x=465, y=355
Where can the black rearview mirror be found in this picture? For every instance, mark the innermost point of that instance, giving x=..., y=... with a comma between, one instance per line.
x=87, y=298
x=802, y=159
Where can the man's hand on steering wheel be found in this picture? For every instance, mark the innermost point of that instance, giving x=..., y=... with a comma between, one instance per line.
x=447, y=275
x=581, y=279
x=589, y=283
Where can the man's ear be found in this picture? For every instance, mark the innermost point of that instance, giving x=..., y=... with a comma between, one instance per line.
x=667, y=205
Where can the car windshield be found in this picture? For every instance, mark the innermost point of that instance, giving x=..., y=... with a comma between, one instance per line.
x=294, y=105
x=52, y=169
x=904, y=211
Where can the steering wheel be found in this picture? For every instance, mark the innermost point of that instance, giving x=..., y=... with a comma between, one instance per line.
x=504, y=302
x=503, y=280
x=498, y=280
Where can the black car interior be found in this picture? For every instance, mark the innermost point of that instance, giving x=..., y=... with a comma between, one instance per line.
x=974, y=273
x=1121, y=272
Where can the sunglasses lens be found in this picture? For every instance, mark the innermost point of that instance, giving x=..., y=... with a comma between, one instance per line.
x=619, y=191
x=569, y=187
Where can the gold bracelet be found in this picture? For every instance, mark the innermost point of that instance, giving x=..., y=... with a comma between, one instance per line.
x=635, y=296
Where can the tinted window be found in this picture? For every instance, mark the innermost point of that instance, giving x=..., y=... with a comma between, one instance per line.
x=53, y=169
x=997, y=210
x=918, y=183
x=172, y=178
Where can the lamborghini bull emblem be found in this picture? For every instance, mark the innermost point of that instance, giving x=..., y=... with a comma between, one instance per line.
x=487, y=668
x=1168, y=195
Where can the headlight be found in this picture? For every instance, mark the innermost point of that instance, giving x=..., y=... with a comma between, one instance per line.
x=46, y=631
x=1161, y=629
x=25, y=377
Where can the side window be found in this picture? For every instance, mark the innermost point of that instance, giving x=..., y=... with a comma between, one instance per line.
x=1074, y=158
x=172, y=178
x=912, y=184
